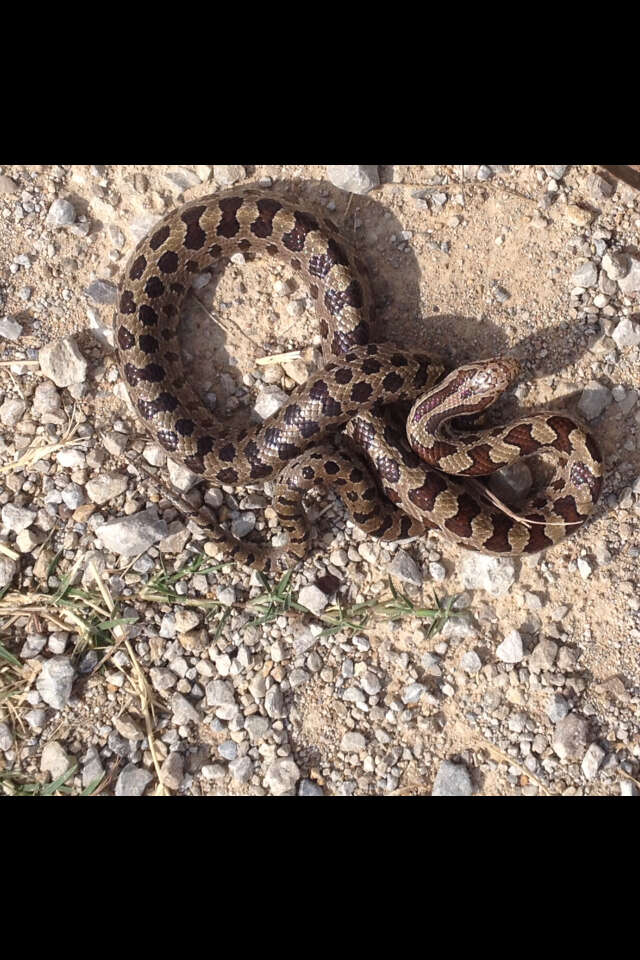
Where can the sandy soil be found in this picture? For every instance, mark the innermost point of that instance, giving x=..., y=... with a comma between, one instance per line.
x=485, y=270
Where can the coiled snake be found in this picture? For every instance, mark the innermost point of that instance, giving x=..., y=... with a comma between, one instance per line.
x=301, y=445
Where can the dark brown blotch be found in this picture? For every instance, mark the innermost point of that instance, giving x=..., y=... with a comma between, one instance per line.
x=424, y=497
x=127, y=303
x=521, y=437
x=229, y=225
x=360, y=392
x=185, y=427
x=159, y=237
x=262, y=226
x=194, y=463
x=227, y=453
x=563, y=429
x=168, y=262
x=343, y=375
x=147, y=316
x=195, y=236
x=137, y=268
x=371, y=365
x=154, y=287
x=460, y=524
x=295, y=239
x=147, y=343
x=384, y=526
x=538, y=540
x=392, y=382
x=228, y=475
x=125, y=338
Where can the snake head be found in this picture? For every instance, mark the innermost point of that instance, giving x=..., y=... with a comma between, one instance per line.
x=493, y=376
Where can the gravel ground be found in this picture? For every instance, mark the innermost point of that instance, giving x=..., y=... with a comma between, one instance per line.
x=132, y=661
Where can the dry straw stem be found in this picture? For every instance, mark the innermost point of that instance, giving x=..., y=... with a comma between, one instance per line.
x=628, y=776
x=33, y=454
x=24, y=363
x=488, y=494
x=471, y=734
x=8, y=552
x=279, y=358
x=137, y=679
x=217, y=320
x=261, y=361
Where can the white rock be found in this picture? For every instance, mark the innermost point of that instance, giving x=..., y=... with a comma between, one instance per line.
x=585, y=276
x=133, y=781
x=127, y=536
x=17, y=518
x=592, y=760
x=154, y=454
x=10, y=329
x=227, y=596
x=46, y=399
x=7, y=185
x=471, y=662
x=281, y=776
x=313, y=598
x=60, y=214
x=62, y=362
x=594, y=400
x=452, y=780
x=616, y=265
x=626, y=334
x=54, y=760
x=493, y=574
x=8, y=569
x=105, y=487
x=12, y=411
x=228, y=174
x=181, y=477
x=404, y=567
x=55, y=680
x=183, y=711
x=570, y=735
x=269, y=401
x=182, y=178
x=413, y=693
x=355, y=179
x=556, y=171
x=584, y=568
x=631, y=283
x=511, y=649
x=437, y=572
x=353, y=742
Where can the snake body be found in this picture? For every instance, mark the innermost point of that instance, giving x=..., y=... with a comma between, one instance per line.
x=303, y=444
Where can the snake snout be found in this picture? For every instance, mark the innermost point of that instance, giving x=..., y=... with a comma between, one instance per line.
x=499, y=372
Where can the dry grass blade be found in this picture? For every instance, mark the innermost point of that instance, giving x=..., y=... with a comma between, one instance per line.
x=497, y=502
x=279, y=358
x=33, y=454
x=627, y=776
x=137, y=679
x=8, y=552
x=146, y=705
x=512, y=761
x=24, y=363
x=217, y=320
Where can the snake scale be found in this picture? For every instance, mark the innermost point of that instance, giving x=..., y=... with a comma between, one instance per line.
x=336, y=428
